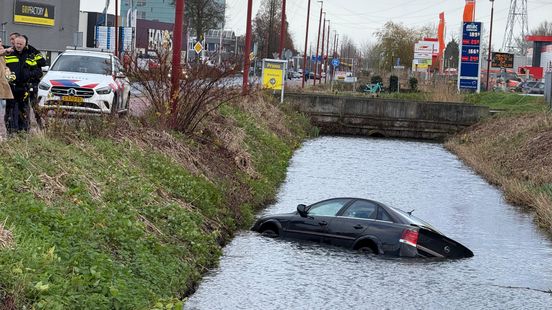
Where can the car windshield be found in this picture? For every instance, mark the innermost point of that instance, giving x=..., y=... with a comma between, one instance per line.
x=82, y=64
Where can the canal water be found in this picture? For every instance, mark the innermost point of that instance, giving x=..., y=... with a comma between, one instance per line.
x=511, y=269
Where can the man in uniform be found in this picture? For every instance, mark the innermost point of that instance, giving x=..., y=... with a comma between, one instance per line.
x=22, y=64
x=40, y=62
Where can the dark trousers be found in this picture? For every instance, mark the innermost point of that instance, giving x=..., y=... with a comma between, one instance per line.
x=34, y=104
x=16, y=117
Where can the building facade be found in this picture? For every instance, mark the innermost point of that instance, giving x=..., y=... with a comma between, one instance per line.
x=50, y=25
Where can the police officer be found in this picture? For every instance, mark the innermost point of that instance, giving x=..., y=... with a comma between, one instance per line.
x=22, y=64
x=33, y=94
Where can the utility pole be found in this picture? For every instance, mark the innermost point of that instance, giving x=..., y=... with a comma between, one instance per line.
x=117, y=28
x=317, y=43
x=177, y=46
x=306, y=39
x=490, y=39
x=283, y=28
x=336, y=43
x=322, y=51
x=220, y=39
x=327, y=55
x=247, y=50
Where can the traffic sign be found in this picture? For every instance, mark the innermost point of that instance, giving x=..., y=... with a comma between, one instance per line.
x=251, y=56
x=335, y=62
x=198, y=47
x=288, y=54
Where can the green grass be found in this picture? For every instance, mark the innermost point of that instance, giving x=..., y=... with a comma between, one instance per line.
x=108, y=237
x=101, y=224
x=508, y=102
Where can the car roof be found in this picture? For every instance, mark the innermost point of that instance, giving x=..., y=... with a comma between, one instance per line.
x=88, y=53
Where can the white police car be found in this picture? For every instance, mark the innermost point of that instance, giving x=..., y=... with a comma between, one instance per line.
x=85, y=81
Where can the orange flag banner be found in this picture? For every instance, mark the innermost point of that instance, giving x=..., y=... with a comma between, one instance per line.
x=441, y=37
x=469, y=11
x=441, y=32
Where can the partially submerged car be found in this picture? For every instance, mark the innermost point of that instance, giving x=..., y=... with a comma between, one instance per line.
x=364, y=225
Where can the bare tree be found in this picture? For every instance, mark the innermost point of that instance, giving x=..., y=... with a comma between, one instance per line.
x=266, y=29
x=202, y=15
x=396, y=41
x=202, y=89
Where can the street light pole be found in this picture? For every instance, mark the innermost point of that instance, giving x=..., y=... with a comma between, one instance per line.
x=317, y=43
x=322, y=51
x=327, y=54
x=117, y=28
x=247, y=50
x=489, y=54
x=306, y=39
x=283, y=28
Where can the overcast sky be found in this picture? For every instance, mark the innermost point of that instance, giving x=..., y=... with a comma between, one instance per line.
x=359, y=19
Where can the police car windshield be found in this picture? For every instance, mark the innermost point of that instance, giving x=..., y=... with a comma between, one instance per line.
x=82, y=64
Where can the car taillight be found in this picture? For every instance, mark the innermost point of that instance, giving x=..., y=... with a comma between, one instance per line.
x=409, y=237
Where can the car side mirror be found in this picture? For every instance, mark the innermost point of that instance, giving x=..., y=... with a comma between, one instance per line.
x=120, y=75
x=45, y=68
x=302, y=210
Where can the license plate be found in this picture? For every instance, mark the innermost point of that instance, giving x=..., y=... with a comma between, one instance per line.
x=71, y=99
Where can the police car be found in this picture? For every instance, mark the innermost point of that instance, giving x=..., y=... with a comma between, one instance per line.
x=85, y=81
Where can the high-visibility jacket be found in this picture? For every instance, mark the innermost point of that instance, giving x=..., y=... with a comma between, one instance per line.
x=25, y=68
x=36, y=55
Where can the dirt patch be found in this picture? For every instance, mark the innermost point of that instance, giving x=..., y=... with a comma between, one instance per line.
x=6, y=237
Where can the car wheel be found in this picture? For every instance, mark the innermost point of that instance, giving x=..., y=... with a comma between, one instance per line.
x=269, y=233
x=366, y=250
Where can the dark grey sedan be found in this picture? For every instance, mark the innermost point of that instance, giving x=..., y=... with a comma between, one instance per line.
x=364, y=225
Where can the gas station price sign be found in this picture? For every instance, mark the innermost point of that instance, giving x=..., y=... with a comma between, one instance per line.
x=470, y=56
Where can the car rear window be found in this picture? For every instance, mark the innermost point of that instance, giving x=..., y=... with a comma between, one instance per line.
x=361, y=209
x=82, y=64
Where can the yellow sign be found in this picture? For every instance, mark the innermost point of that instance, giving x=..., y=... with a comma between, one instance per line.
x=198, y=47
x=273, y=74
x=34, y=13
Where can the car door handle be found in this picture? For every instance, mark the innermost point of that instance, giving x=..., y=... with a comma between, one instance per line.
x=358, y=226
x=323, y=223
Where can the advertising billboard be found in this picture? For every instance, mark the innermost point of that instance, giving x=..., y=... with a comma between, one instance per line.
x=502, y=60
x=273, y=75
x=33, y=13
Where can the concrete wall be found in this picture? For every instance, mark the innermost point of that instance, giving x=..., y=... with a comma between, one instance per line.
x=45, y=38
x=384, y=117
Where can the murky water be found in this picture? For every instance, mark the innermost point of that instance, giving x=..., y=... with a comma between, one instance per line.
x=511, y=268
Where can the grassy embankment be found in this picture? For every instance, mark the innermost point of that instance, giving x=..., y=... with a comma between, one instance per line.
x=512, y=150
x=115, y=215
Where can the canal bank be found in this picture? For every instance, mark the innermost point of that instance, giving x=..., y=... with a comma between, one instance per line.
x=513, y=152
x=112, y=214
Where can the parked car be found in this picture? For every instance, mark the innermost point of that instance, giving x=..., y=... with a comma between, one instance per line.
x=534, y=88
x=364, y=225
x=85, y=81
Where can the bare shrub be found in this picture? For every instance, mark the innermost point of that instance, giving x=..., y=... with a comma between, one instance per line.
x=202, y=88
x=441, y=90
